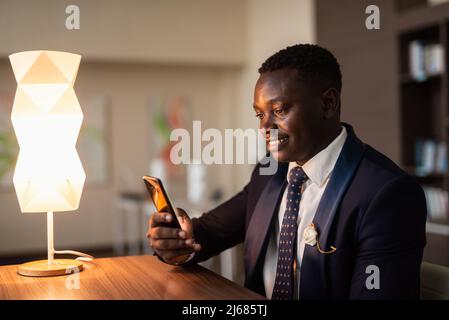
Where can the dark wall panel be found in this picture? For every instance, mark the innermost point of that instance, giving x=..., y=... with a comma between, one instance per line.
x=368, y=60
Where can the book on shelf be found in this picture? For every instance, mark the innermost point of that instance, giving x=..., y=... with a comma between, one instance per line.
x=441, y=158
x=437, y=203
x=430, y=157
x=425, y=60
x=433, y=59
x=416, y=58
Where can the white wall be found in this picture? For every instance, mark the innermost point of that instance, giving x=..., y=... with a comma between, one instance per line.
x=271, y=26
x=209, y=50
x=128, y=89
x=132, y=51
x=169, y=31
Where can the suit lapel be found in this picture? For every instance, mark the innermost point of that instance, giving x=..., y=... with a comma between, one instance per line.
x=313, y=276
x=260, y=221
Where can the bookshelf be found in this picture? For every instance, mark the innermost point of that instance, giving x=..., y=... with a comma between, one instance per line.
x=398, y=107
x=424, y=112
x=424, y=117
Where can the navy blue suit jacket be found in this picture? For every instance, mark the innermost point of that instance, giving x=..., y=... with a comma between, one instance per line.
x=371, y=211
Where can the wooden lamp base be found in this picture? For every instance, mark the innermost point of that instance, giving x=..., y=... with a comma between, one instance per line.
x=58, y=267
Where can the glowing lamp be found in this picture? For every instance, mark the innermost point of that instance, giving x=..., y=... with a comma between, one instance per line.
x=47, y=117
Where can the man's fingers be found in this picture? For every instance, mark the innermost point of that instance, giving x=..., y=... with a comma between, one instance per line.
x=176, y=253
x=182, y=215
x=168, y=255
x=160, y=217
x=167, y=233
x=169, y=244
x=196, y=247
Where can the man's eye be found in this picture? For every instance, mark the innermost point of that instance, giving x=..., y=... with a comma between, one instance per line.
x=279, y=111
x=259, y=115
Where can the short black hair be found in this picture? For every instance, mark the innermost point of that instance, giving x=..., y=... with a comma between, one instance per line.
x=314, y=63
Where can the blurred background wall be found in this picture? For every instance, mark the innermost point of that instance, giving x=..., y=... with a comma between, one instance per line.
x=133, y=54
x=143, y=56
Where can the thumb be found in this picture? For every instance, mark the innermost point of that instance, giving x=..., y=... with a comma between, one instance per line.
x=185, y=222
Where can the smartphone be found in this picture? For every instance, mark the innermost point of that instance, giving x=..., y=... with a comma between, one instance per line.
x=161, y=200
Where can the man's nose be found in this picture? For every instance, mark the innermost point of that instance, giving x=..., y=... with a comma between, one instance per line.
x=267, y=123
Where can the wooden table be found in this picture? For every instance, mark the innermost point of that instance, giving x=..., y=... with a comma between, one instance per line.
x=135, y=277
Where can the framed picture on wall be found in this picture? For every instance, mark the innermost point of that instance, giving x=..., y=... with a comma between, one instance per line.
x=9, y=148
x=93, y=141
x=166, y=115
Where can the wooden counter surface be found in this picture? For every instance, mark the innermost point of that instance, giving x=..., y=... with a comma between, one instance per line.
x=134, y=277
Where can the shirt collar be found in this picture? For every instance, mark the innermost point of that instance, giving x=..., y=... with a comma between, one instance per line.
x=321, y=165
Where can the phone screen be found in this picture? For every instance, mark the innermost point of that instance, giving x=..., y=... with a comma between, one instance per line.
x=160, y=198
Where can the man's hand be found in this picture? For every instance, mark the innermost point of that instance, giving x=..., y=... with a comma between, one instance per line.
x=171, y=244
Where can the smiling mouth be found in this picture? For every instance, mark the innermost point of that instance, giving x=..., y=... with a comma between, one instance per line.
x=272, y=143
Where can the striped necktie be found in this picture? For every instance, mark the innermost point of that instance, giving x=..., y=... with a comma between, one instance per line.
x=284, y=283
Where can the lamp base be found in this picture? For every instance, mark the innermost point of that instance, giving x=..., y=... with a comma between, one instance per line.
x=42, y=268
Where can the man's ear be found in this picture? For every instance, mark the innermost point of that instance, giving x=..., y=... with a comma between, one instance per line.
x=330, y=99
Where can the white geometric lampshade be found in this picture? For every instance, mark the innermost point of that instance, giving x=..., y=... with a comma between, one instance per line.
x=47, y=117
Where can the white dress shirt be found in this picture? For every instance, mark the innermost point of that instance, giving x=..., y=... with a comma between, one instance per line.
x=318, y=170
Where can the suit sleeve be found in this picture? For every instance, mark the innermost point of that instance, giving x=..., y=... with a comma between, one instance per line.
x=390, y=241
x=221, y=228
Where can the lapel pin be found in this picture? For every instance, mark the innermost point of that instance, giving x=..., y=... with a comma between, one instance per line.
x=310, y=237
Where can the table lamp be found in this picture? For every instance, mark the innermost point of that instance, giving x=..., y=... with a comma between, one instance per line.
x=47, y=117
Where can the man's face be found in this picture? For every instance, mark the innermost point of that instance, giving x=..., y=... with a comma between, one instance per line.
x=283, y=102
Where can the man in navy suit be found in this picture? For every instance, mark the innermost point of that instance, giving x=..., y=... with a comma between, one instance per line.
x=337, y=220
